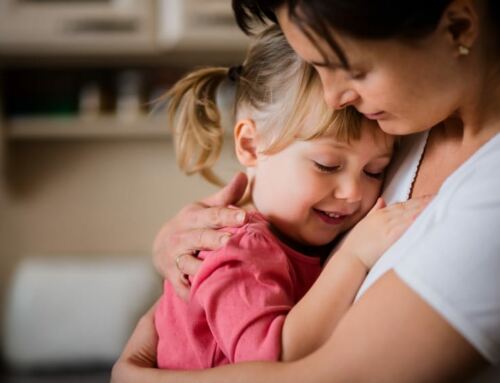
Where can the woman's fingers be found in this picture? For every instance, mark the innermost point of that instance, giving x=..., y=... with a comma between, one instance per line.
x=204, y=239
x=175, y=245
x=230, y=194
x=182, y=286
x=187, y=265
x=194, y=229
x=215, y=218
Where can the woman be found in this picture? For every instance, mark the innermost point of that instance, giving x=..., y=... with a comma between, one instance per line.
x=430, y=309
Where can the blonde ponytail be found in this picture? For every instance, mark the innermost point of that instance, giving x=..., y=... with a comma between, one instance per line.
x=196, y=121
x=274, y=86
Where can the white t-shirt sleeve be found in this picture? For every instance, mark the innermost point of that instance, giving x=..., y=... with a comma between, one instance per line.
x=455, y=265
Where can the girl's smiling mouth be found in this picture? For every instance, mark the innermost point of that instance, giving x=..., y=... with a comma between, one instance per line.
x=330, y=217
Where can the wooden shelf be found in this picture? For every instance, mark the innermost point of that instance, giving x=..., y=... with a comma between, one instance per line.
x=103, y=127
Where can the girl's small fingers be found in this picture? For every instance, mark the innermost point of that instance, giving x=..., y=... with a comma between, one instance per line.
x=410, y=206
x=420, y=201
x=379, y=204
x=405, y=214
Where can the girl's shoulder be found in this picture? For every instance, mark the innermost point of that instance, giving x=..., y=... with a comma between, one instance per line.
x=254, y=237
x=251, y=247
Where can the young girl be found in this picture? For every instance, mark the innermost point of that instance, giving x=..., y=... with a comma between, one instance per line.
x=314, y=174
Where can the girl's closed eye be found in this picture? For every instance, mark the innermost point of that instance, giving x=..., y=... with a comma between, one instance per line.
x=377, y=174
x=326, y=168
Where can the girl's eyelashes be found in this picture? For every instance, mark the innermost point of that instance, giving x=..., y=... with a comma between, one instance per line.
x=325, y=168
x=375, y=175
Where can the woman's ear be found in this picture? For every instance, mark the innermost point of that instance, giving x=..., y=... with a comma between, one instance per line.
x=461, y=24
x=245, y=139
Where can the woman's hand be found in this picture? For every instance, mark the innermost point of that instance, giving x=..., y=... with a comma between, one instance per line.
x=381, y=228
x=194, y=229
x=140, y=351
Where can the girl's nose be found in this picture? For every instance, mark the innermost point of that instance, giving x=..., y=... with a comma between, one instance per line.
x=349, y=189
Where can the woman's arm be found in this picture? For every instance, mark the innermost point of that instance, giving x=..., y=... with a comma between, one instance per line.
x=389, y=335
x=194, y=229
x=139, y=354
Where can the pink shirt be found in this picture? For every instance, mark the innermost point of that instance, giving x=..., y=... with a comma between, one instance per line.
x=238, y=302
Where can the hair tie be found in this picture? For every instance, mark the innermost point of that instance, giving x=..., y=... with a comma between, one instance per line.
x=234, y=73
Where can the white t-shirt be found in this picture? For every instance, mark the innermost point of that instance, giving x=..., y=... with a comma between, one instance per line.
x=450, y=256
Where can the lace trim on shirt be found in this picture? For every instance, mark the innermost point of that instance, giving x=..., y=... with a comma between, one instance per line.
x=420, y=154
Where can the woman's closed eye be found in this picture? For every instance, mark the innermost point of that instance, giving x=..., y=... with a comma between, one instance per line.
x=357, y=75
x=327, y=168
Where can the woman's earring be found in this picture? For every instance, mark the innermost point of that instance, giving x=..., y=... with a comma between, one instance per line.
x=463, y=50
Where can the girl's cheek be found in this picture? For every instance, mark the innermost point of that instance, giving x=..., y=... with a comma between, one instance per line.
x=371, y=195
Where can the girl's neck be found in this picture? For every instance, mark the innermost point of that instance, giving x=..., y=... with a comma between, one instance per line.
x=308, y=250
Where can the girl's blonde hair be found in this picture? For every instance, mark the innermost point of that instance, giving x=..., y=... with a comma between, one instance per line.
x=280, y=92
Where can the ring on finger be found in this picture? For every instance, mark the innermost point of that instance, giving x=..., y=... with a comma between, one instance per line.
x=178, y=263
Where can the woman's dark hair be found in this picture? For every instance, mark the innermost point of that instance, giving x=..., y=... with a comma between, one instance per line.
x=368, y=19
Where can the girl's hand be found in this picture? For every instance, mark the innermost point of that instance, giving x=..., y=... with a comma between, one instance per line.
x=194, y=229
x=381, y=228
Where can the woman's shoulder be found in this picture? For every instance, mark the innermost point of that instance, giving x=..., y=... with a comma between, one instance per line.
x=477, y=182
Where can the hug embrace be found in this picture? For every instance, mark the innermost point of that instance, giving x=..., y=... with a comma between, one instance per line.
x=362, y=243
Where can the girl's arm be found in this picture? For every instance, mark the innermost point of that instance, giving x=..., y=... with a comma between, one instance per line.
x=245, y=291
x=389, y=335
x=311, y=322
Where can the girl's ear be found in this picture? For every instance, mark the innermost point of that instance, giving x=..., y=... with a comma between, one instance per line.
x=245, y=139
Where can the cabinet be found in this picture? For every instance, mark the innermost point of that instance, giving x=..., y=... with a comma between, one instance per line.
x=110, y=27
x=54, y=102
x=89, y=69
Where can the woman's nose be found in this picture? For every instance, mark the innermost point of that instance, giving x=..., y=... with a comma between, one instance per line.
x=337, y=90
x=339, y=98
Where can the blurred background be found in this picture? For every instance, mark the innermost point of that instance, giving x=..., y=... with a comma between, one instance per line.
x=88, y=172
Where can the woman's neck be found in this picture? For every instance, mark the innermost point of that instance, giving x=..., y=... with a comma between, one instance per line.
x=450, y=144
x=478, y=118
